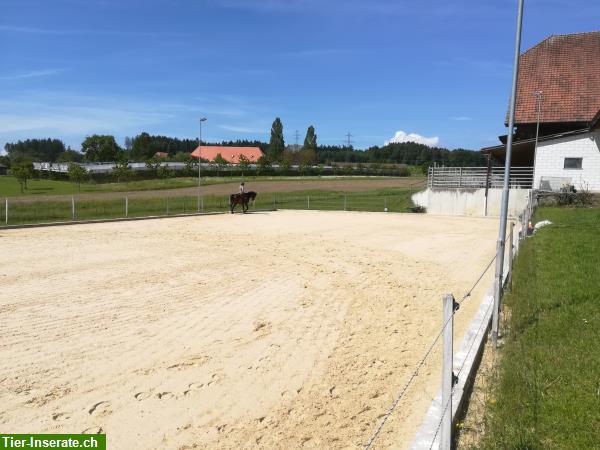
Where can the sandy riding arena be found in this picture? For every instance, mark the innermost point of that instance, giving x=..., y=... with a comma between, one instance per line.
x=280, y=330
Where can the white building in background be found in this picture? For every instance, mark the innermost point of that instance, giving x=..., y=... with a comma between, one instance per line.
x=569, y=160
x=558, y=100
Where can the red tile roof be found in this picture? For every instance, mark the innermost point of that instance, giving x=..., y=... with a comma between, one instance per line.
x=566, y=68
x=230, y=154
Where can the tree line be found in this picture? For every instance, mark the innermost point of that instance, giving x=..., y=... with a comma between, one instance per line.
x=143, y=147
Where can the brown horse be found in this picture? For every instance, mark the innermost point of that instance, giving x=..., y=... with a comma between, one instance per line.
x=241, y=199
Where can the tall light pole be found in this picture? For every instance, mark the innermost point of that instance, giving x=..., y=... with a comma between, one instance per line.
x=505, y=189
x=202, y=119
x=538, y=95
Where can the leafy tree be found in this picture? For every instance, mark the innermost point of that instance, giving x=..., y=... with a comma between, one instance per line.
x=276, y=144
x=5, y=160
x=70, y=155
x=153, y=163
x=141, y=147
x=44, y=150
x=307, y=156
x=122, y=171
x=287, y=158
x=22, y=172
x=76, y=174
x=243, y=163
x=220, y=161
x=128, y=143
x=263, y=164
x=164, y=171
x=101, y=148
x=310, y=141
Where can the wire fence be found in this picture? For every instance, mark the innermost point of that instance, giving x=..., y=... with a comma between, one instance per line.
x=82, y=208
x=474, y=345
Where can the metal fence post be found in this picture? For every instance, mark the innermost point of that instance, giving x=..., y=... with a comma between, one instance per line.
x=167, y=206
x=345, y=201
x=198, y=201
x=510, y=255
x=308, y=201
x=126, y=206
x=6, y=210
x=73, y=207
x=447, y=375
x=202, y=204
x=384, y=204
x=497, y=294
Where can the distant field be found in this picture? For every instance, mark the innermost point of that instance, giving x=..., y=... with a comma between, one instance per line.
x=59, y=210
x=9, y=186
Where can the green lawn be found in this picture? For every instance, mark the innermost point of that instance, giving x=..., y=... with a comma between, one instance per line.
x=395, y=200
x=547, y=394
x=9, y=186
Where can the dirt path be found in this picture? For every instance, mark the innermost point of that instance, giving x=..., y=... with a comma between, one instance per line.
x=344, y=185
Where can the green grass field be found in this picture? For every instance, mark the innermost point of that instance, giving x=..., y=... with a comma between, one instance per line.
x=395, y=200
x=547, y=395
x=9, y=186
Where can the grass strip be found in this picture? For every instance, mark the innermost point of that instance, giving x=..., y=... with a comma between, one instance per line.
x=395, y=200
x=547, y=391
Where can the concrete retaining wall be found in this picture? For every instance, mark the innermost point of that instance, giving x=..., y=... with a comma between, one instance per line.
x=463, y=202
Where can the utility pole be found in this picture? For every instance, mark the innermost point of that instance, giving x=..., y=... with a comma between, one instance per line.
x=297, y=138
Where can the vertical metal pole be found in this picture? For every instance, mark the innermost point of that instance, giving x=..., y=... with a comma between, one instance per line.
x=487, y=182
x=505, y=191
x=6, y=210
x=385, y=204
x=202, y=204
x=510, y=254
x=308, y=201
x=538, y=95
x=167, y=206
x=345, y=201
x=72, y=207
x=198, y=200
x=126, y=206
x=460, y=178
x=448, y=323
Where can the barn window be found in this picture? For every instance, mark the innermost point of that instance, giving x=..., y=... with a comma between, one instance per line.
x=573, y=163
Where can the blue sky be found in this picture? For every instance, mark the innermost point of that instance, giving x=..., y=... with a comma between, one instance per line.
x=434, y=68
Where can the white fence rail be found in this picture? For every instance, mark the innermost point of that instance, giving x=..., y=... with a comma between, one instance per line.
x=478, y=177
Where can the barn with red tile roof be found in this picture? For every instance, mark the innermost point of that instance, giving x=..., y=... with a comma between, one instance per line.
x=230, y=154
x=559, y=78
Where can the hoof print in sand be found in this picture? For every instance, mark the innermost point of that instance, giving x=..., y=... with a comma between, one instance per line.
x=93, y=430
x=142, y=396
x=165, y=395
x=100, y=408
x=60, y=416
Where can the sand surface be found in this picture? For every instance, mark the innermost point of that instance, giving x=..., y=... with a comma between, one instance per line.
x=283, y=330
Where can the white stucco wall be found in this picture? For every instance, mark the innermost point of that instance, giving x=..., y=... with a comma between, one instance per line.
x=461, y=202
x=550, y=159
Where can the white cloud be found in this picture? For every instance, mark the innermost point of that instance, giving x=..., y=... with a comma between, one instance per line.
x=401, y=136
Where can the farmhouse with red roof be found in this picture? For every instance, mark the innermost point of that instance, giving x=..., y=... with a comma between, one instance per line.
x=230, y=154
x=559, y=83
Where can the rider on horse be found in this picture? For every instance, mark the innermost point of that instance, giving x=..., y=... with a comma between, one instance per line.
x=242, y=188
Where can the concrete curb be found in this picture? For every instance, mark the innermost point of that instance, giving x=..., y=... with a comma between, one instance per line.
x=465, y=364
x=118, y=219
